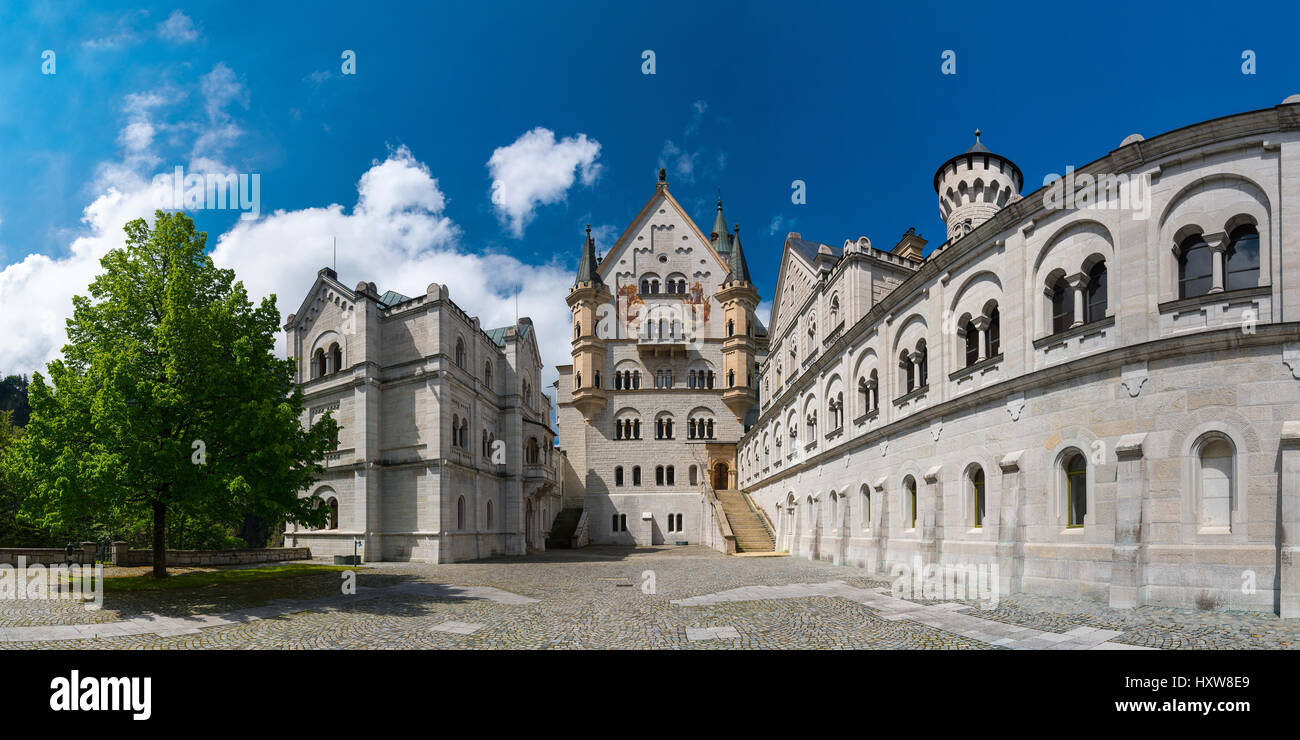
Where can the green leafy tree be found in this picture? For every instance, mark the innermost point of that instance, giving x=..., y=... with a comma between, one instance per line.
x=169, y=396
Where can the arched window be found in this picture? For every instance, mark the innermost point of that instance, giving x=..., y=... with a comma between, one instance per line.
x=333, y=505
x=731, y=378
x=577, y=380
x=489, y=515
x=909, y=501
x=533, y=451
x=1062, y=304
x=659, y=475
x=485, y=443
x=925, y=366
x=670, y=474
x=1195, y=267
x=1076, y=490
x=1095, y=308
x=972, y=342
x=460, y=513
x=595, y=379
x=993, y=346
x=577, y=329
x=636, y=475
x=455, y=430
x=1216, y=483
x=318, y=364
x=487, y=374
x=731, y=327
x=1241, y=262
x=618, y=475
x=460, y=352
x=977, y=495
x=909, y=377
x=866, y=505
x=336, y=354
x=693, y=475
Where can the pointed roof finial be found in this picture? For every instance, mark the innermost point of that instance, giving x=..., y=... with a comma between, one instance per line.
x=587, y=263
x=977, y=147
x=719, y=237
x=737, y=266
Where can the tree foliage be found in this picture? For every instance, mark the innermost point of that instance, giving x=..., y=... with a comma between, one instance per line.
x=168, y=399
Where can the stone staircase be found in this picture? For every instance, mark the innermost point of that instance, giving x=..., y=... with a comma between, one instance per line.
x=752, y=534
x=562, y=529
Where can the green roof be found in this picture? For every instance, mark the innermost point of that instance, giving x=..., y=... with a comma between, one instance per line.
x=392, y=298
x=498, y=335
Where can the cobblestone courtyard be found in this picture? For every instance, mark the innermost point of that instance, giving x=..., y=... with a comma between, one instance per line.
x=594, y=599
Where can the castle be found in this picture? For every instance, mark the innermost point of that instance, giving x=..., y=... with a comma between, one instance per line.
x=445, y=446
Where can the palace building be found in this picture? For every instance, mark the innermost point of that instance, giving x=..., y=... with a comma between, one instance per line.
x=445, y=447
x=1103, y=400
x=662, y=385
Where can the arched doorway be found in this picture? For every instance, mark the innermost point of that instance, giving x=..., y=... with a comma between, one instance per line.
x=721, y=480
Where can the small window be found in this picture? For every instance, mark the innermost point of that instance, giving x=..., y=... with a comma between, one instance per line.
x=622, y=522
x=460, y=352
x=460, y=513
x=977, y=495
x=1062, y=305
x=1195, y=267
x=1241, y=262
x=618, y=475
x=489, y=515
x=636, y=475
x=1096, y=304
x=1076, y=490
x=909, y=488
x=993, y=336
x=1216, y=483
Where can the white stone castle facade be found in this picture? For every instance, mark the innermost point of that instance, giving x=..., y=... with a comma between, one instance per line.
x=1103, y=401
x=665, y=351
x=445, y=447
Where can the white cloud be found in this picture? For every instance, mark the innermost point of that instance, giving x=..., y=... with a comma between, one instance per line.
x=537, y=170
x=763, y=312
x=178, y=28
x=681, y=163
x=397, y=235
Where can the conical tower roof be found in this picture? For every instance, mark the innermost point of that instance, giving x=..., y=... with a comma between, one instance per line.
x=719, y=237
x=587, y=263
x=738, y=268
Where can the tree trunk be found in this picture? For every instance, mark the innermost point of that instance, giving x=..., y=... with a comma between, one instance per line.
x=159, y=540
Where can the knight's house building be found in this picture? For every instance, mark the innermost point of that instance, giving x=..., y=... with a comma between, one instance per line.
x=445, y=448
x=1103, y=401
x=662, y=386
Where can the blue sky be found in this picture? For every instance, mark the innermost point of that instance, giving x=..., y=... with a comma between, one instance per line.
x=848, y=98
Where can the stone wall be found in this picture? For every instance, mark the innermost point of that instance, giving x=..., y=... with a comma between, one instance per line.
x=83, y=553
x=125, y=557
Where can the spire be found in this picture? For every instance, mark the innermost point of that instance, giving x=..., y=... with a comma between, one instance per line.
x=977, y=147
x=718, y=238
x=587, y=264
x=738, y=268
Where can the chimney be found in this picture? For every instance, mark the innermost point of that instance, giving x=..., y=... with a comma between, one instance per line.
x=909, y=247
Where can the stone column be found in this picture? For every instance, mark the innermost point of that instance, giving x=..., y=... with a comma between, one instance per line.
x=1011, y=523
x=981, y=324
x=1289, y=557
x=118, y=556
x=1127, y=567
x=915, y=357
x=932, y=524
x=1078, y=283
x=1218, y=243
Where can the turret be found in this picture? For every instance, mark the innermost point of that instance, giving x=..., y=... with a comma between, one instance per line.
x=973, y=186
x=719, y=238
x=739, y=299
x=588, y=294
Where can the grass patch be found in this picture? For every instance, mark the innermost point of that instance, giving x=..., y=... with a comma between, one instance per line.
x=219, y=577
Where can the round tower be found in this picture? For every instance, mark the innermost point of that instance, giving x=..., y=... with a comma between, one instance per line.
x=973, y=186
x=585, y=299
x=739, y=300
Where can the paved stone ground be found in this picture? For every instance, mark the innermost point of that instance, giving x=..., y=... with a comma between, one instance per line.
x=593, y=599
